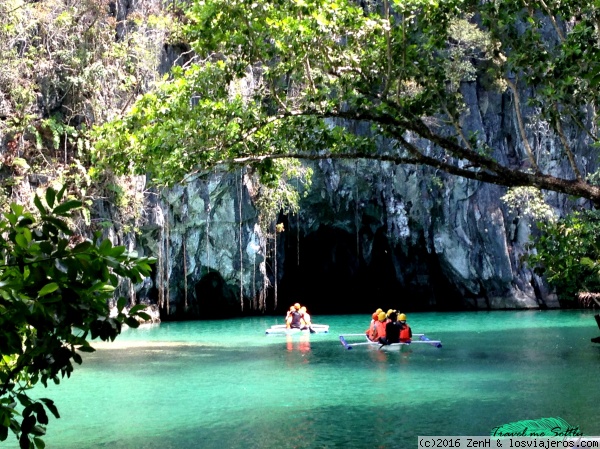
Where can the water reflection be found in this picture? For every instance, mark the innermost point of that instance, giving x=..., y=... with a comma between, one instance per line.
x=301, y=343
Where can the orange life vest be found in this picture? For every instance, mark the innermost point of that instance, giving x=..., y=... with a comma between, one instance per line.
x=379, y=329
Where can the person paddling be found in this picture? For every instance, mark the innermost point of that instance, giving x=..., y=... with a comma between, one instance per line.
x=392, y=330
x=305, y=320
x=294, y=319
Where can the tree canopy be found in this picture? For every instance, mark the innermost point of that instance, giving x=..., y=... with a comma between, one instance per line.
x=567, y=254
x=383, y=80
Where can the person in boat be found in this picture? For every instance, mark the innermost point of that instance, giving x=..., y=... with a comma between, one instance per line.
x=294, y=318
x=287, y=315
x=370, y=332
x=405, y=331
x=375, y=316
x=305, y=320
x=392, y=330
x=379, y=331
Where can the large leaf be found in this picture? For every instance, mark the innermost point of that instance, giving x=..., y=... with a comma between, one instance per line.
x=67, y=206
x=39, y=205
x=49, y=403
x=50, y=197
x=48, y=288
x=59, y=224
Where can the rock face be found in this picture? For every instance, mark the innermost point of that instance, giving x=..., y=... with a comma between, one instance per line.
x=368, y=235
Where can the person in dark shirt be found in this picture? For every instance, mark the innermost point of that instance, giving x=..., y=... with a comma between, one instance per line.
x=392, y=330
x=294, y=318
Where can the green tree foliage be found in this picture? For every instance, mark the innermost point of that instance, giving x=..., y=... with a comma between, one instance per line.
x=281, y=191
x=66, y=65
x=54, y=293
x=314, y=79
x=567, y=253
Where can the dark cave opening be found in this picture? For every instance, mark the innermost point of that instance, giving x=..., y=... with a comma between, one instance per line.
x=216, y=299
x=331, y=277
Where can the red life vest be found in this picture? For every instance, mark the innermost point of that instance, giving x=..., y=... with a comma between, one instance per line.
x=405, y=334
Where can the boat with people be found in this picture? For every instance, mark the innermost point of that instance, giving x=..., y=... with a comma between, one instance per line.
x=422, y=339
x=297, y=320
x=388, y=330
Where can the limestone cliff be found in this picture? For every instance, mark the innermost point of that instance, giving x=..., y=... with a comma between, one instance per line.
x=367, y=234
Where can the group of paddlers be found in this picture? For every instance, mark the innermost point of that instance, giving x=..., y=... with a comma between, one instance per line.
x=298, y=318
x=388, y=328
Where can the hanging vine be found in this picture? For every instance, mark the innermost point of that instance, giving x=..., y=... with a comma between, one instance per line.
x=275, y=266
x=280, y=197
x=208, y=208
x=356, y=214
x=159, y=274
x=185, y=285
x=132, y=296
x=167, y=265
x=298, y=228
x=240, y=195
x=255, y=305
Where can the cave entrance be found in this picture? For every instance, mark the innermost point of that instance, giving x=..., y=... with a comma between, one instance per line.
x=215, y=297
x=332, y=278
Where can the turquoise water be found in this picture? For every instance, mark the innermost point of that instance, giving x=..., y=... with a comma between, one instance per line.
x=225, y=384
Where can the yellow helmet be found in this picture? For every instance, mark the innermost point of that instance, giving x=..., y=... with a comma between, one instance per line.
x=303, y=309
x=389, y=312
x=378, y=311
x=401, y=317
x=382, y=316
x=297, y=306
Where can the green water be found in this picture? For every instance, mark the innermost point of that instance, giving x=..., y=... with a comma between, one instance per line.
x=225, y=384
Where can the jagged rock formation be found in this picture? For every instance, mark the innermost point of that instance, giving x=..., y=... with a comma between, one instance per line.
x=366, y=235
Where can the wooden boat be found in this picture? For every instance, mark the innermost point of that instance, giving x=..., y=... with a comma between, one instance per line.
x=422, y=339
x=281, y=329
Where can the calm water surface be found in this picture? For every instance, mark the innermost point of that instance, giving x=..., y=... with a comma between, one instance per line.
x=225, y=384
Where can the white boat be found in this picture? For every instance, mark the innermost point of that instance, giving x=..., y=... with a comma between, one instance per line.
x=281, y=329
x=423, y=339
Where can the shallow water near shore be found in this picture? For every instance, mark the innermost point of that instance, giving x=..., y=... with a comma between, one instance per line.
x=225, y=384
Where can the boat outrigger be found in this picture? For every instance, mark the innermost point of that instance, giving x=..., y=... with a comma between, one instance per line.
x=281, y=329
x=423, y=339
